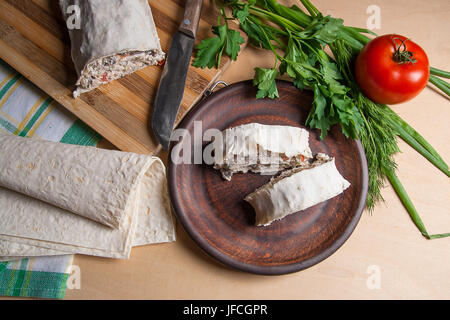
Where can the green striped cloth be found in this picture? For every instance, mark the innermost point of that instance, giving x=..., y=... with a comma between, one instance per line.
x=26, y=111
x=42, y=277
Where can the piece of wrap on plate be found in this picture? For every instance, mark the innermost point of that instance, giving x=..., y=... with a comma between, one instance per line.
x=297, y=189
x=77, y=199
x=260, y=148
x=114, y=38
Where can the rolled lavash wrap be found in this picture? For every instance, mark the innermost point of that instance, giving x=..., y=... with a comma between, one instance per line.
x=261, y=149
x=77, y=199
x=297, y=189
x=115, y=38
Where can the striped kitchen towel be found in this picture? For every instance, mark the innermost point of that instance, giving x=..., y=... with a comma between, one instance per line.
x=28, y=112
x=43, y=277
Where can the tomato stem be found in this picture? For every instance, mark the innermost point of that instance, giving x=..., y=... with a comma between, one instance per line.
x=401, y=54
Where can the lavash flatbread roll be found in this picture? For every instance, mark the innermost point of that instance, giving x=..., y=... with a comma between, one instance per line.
x=41, y=181
x=115, y=38
x=155, y=224
x=297, y=189
x=35, y=223
x=260, y=148
x=91, y=182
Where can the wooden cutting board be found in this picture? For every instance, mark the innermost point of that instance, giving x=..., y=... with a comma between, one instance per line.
x=34, y=40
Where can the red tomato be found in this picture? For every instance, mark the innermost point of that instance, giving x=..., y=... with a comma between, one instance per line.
x=392, y=69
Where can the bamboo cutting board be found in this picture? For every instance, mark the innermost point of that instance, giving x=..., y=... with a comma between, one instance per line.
x=34, y=40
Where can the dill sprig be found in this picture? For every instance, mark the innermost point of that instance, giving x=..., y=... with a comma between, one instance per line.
x=378, y=137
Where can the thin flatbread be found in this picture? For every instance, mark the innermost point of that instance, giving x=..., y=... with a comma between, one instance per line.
x=13, y=251
x=119, y=198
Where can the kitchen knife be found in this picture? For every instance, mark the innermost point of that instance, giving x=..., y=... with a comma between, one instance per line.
x=173, y=79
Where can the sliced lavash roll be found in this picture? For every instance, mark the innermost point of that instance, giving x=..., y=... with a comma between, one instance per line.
x=119, y=198
x=261, y=149
x=297, y=189
x=113, y=38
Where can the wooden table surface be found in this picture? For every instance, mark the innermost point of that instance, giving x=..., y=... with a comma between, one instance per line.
x=385, y=258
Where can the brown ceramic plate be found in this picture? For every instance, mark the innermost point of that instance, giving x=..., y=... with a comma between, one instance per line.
x=213, y=212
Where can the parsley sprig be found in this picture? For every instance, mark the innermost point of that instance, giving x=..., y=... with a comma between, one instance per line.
x=210, y=51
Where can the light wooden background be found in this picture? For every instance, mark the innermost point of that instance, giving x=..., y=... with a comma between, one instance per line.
x=410, y=266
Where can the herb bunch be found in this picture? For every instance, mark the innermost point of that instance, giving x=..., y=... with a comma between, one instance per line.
x=298, y=40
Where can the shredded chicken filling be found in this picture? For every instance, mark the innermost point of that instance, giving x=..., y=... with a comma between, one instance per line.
x=106, y=69
x=262, y=162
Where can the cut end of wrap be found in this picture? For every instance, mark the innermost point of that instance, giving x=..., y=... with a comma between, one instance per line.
x=109, y=68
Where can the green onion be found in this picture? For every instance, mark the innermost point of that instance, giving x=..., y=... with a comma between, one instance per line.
x=439, y=73
x=441, y=84
x=419, y=148
x=401, y=192
x=413, y=138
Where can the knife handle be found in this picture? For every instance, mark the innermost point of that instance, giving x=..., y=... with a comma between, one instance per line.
x=192, y=12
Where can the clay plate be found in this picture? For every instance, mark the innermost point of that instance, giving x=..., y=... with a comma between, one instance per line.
x=212, y=211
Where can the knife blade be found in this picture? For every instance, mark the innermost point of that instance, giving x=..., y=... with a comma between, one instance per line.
x=173, y=79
